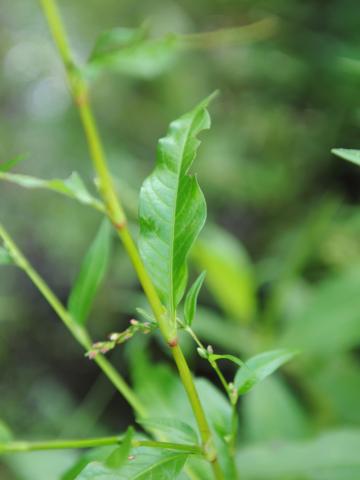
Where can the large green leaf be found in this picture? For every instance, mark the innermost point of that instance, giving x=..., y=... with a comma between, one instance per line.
x=331, y=456
x=72, y=187
x=348, y=154
x=172, y=206
x=145, y=464
x=229, y=273
x=91, y=274
x=259, y=367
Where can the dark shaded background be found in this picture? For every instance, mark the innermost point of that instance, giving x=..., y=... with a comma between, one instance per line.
x=266, y=171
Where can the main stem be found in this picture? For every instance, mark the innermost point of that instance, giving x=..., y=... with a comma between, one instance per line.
x=116, y=213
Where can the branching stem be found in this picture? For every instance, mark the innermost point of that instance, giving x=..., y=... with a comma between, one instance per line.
x=116, y=214
x=13, y=447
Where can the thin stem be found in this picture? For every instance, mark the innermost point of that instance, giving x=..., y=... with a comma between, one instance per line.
x=78, y=331
x=213, y=363
x=116, y=213
x=13, y=447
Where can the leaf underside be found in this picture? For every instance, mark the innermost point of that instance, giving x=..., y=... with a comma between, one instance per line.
x=172, y=207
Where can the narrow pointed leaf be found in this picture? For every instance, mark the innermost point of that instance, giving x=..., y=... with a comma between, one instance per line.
x=348, y=154
x=191, y=299
x=72, y=187
x=5, y=257
x=91, y=274
x=10, y=164
x=259, y=367
x=120, y=455
x=172, y=207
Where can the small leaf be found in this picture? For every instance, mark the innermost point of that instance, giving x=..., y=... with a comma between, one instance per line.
x=92, y=272
x=177, y=430
x=191, y=299
x=5, y=257
x=146, y=464
x=72, y=187
x=172, y=207
x=10, y=164
x=231, y=358
x=260, y=367
x=347, y=154
x=119, y=456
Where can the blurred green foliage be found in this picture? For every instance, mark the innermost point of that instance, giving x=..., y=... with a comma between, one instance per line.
x=281, y=249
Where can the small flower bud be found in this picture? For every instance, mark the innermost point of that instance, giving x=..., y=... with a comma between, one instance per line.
x=202, y=352
x=210, y=350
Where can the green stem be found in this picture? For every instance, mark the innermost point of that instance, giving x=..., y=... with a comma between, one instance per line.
x=13, y=447
x=213, y=363
x=116, y=213
x=78, y=331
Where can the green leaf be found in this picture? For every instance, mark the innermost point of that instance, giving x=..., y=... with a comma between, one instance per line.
x=328, y=323
x=347, y=154
x=146, y=464
x=331, y=456
x=5, y=257
x=191, y=299
x=72, y=187
x=132, y=52
x=272, y=412
x=260, y=367
x=230, y=275
x=5, y=433
x=231, y=358
x=172, y=207
x=92, y=272
x=119, y=456
x=10, y=164
x=176, y=429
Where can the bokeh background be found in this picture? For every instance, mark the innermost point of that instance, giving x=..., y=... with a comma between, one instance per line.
x=282, y=245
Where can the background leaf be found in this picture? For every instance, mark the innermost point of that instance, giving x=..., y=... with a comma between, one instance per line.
x=329, y=322
x=172, y=207
x=230, y=276
x=92, y=272
x=331, y=456
x=272, y=412
x=259, y=367
x=132, y=52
